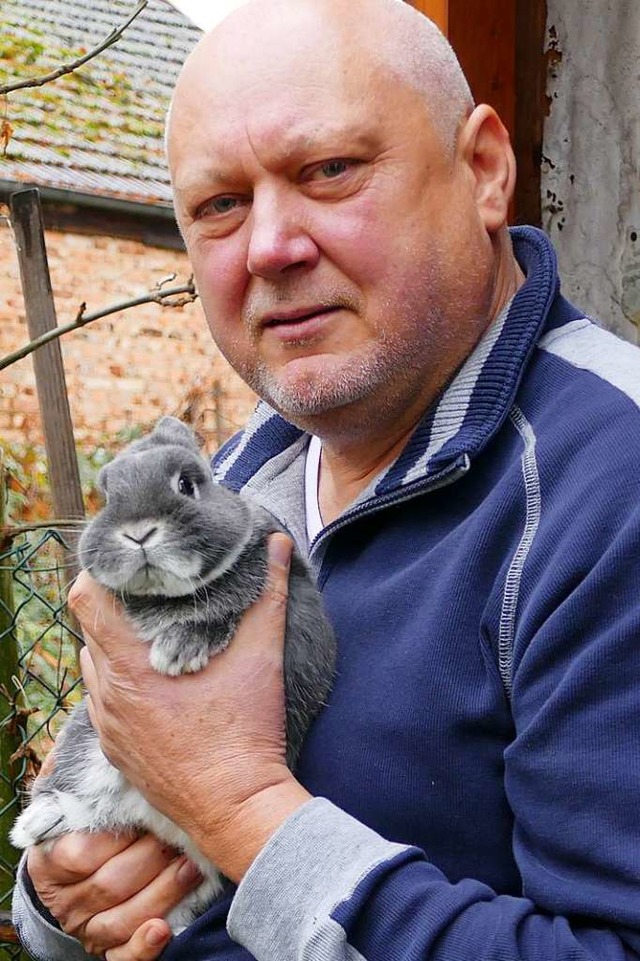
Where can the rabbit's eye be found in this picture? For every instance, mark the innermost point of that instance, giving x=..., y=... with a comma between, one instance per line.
x=186, y=483
x=186, y=486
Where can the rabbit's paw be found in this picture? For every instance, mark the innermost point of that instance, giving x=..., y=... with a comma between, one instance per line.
x=186, y=648
x=172, y=658
x=43, y=820
x=184, y=652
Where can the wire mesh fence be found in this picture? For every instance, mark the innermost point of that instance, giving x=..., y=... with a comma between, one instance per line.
x=39, y=674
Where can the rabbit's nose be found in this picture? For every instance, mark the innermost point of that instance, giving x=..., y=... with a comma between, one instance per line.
x=140, y=533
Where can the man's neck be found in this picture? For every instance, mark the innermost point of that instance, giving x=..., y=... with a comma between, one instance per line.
x=344, y=474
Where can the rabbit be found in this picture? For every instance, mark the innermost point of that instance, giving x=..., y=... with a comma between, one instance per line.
x=186, y=557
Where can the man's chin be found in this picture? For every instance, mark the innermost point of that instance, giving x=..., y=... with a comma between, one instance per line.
x=303, y=390
x=308, y=390
x=299, y=406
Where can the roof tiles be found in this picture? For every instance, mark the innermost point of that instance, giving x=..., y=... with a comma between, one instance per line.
x=100, y=129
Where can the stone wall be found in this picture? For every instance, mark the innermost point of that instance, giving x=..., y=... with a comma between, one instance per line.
x=591, y=164
x=128, y=368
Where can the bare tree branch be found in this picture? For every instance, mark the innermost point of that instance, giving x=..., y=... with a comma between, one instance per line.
x=60, y=71
x=9, y=532
x=185, y=294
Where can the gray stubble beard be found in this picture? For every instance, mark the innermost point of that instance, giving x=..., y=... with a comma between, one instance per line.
x=387, y=373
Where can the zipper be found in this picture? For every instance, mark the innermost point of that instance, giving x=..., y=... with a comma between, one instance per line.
x=399, y=496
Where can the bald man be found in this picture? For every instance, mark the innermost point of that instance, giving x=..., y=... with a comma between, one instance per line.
x=454, y=446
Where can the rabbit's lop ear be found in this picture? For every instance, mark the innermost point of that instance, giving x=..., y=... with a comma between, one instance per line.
x=170, y=430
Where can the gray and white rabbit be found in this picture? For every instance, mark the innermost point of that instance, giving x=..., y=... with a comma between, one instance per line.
x=186, y=557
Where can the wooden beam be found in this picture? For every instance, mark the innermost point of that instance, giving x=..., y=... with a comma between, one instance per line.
x=12, y=728
x=500, y=45
x=531, y=78
x=436, y=10
x=483, y=35
x=26, y=219
x=7, y=930
x=64, y=476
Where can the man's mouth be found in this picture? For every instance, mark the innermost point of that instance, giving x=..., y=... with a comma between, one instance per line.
x=295, y=318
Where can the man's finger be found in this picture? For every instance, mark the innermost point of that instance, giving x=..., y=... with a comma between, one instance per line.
x=266, y=619
x=84, y=595
x=48, y=765
x=154, y=901
x=148, y=942
x=128, y=873
x=279, y=550
x=89, y=675
x=90, y=680
x=73, y=857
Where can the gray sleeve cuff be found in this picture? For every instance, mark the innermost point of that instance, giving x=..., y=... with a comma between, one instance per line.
x=41, y=939
x=282, y=908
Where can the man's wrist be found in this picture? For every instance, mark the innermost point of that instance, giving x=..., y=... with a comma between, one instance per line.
x=234, y=846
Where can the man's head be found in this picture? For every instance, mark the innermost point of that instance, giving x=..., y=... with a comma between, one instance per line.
x=343, y=205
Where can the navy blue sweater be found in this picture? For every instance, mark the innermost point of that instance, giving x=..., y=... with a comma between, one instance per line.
x=479, y=758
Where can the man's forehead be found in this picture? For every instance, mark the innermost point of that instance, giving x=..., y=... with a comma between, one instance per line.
x=317, y=89
x=292, y=107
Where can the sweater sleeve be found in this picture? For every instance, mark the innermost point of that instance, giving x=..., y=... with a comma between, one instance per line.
x=326, y=888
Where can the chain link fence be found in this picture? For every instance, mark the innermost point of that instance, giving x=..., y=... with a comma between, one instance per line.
x=39, y=675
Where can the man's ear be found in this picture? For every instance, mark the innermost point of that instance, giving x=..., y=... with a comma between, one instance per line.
x=484, y=146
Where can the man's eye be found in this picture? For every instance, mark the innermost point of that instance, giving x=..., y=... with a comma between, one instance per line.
x=221, y=205
x=333, y=168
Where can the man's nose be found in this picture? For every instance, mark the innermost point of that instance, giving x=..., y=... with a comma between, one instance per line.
x=280, y=239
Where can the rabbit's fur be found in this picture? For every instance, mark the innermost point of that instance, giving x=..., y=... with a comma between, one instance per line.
x=186, y=557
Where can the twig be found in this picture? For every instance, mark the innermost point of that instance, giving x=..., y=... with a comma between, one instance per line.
x=115, y=35
x=9, y=532
x=156, y=296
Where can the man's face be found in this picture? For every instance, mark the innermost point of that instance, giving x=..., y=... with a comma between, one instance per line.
x=335, y=244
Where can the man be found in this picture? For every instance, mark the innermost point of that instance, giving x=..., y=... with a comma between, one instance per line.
x=470, y=512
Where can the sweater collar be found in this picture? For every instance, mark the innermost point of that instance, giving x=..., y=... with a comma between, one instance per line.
x=468, y=412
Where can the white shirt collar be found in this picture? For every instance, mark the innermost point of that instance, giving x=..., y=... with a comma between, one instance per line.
x=311, y=481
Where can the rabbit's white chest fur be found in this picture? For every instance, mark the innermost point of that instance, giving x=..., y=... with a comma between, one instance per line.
x=100, y=799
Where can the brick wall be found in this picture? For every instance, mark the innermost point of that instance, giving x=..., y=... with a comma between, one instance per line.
x=128, y=368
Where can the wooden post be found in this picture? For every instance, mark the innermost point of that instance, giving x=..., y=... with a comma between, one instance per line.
x=7, y=933
x=64, y=477
x=10, y=731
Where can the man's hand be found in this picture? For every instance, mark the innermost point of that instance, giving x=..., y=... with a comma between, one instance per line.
x=111, y=893
x=206, y=749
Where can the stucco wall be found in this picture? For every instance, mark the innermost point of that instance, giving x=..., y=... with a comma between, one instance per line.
x=591, y=169
x=125, y=369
